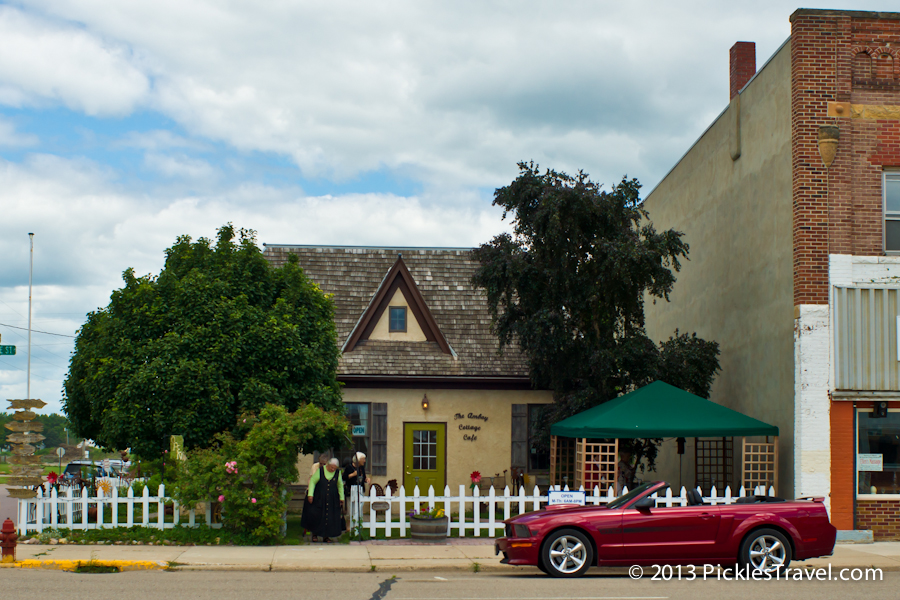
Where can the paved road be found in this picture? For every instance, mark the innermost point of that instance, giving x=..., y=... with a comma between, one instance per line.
x=231, y=585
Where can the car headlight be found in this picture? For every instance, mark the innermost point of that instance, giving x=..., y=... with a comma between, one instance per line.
x=522, y=531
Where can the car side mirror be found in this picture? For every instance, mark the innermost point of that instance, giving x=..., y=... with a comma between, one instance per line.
x=645, y=503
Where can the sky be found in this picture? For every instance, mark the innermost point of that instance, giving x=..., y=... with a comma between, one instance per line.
x=126, y=124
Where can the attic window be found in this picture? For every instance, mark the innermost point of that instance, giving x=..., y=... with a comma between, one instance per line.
x=397, y=318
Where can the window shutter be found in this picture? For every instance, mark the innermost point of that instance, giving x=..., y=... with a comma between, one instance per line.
x=378, y=464
x=519, y=456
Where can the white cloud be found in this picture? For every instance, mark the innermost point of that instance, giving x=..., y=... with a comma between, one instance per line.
x=10, y=138
x=42, y=61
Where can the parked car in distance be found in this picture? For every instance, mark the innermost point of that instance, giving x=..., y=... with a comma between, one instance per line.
x=758, y=533
x=91, y=469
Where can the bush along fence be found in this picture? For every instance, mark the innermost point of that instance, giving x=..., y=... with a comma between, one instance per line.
x=377, y=513
x=73, y=508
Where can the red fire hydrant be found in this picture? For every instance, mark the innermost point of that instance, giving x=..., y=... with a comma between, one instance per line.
x=8, y=537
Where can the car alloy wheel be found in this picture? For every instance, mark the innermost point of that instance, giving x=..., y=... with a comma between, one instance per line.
x=567, y=553
x=766, y=550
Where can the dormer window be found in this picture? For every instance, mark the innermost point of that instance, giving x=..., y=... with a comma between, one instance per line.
x=397, y=319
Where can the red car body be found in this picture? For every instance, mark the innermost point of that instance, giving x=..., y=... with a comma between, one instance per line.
x=700, y=534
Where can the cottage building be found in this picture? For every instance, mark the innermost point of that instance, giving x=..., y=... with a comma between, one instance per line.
x=790, y=202
x=429, y=395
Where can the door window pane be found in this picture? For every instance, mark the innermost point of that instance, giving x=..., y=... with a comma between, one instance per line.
x=880, y=439
x=424, y=450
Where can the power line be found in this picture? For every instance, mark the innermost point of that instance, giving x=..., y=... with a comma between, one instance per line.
x=36, y=331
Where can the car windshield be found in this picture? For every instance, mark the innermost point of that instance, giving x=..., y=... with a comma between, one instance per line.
x=626, y=498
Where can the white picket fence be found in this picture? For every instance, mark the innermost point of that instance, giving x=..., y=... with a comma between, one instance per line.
x=70, y=508
x=388, y=507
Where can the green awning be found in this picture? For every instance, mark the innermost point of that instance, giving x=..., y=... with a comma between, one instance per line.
x=660, y=410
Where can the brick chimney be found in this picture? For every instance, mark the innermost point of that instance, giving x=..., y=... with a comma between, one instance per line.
x=743, y=65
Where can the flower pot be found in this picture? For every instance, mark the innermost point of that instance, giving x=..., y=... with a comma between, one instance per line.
x=429, y=530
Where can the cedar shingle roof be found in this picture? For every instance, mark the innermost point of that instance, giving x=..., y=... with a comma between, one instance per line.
x=354, y=274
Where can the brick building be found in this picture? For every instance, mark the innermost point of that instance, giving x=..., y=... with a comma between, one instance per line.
x=790, y=202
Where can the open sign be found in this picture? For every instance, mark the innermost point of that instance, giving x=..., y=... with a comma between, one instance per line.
x=574, y=498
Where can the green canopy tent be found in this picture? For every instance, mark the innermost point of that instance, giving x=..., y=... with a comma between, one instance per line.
x=586, y=445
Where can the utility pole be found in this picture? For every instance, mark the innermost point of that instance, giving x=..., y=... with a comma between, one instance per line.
x=30, y=279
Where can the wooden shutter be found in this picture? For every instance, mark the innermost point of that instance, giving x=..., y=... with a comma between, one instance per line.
x=519, y=436
x=378, y=464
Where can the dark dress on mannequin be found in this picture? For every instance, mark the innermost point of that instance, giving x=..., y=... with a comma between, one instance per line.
x=322, y=517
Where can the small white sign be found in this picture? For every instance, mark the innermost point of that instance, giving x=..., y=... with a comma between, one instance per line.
x=870, y=462
x=575, y=498
x=359, y=430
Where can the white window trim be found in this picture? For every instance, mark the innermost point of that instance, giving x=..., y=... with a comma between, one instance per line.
x=893, y=174
x=855, y=462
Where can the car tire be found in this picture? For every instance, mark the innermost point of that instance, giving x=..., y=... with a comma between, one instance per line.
x=765, y=550
x=566, y=553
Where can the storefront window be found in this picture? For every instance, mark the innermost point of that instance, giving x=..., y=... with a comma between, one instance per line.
x=358, y=414
x=878, y=454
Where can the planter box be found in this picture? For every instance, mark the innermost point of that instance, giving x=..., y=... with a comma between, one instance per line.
x=429, y=530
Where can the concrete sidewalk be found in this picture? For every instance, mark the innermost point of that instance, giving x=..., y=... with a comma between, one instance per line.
x=357, y=557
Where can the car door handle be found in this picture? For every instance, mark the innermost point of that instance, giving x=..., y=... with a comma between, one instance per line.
x=706, y=516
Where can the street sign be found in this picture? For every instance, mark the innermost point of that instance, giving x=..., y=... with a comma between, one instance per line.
x=24, y=415
x=24, y=426
x=24, y=480
x=7, y=350
x=23, y=449
x=26, y=470
x=60, y=452
x=19, y=493
x=25, y=438
x=26, y=404
x=25, y=460
x=106, y=464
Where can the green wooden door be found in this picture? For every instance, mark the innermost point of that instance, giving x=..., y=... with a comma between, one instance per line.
x=424, y=456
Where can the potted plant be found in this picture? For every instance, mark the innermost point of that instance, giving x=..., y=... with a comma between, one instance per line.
x=429, y=525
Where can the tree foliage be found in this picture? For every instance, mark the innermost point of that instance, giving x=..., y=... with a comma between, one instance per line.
x=217, y=333
x=568, y=286
x=54, y=431
x=250, y=475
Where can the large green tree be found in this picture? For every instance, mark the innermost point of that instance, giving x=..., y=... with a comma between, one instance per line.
x=568, y=286
x=218, y=333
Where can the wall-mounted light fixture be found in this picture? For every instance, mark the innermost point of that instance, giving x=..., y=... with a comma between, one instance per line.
x=425, y=402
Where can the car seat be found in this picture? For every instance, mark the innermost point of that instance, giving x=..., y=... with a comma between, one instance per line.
x=694, y=498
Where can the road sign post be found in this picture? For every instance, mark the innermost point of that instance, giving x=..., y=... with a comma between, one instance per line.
x=7, y=350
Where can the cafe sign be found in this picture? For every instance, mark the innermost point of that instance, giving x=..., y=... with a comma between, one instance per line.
x=359, y=431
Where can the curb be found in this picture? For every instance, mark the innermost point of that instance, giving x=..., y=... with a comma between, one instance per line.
x=71, y=565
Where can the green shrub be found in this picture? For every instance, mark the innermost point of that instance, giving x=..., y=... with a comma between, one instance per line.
x=250, y=476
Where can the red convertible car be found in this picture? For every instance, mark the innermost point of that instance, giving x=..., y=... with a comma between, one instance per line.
x=758, y=532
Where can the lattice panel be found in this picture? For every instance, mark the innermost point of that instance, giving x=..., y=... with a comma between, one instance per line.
x=715, y=463
x=595, y=463
x=759, y=465
x=562, y=461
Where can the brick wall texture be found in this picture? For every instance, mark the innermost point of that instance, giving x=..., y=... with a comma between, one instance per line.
x=843, y=454
x=881, y=516
x=840, y=56
x=742, y=57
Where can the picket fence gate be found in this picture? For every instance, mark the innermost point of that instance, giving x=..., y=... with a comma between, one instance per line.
x=389, y=506
x=70, y=509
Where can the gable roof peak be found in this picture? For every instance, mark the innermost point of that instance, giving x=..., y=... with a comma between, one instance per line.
x=398, y=277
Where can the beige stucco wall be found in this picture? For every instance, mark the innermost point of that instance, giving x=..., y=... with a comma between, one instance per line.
x=737, y=287
x=489, y=453
x=413, y=331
